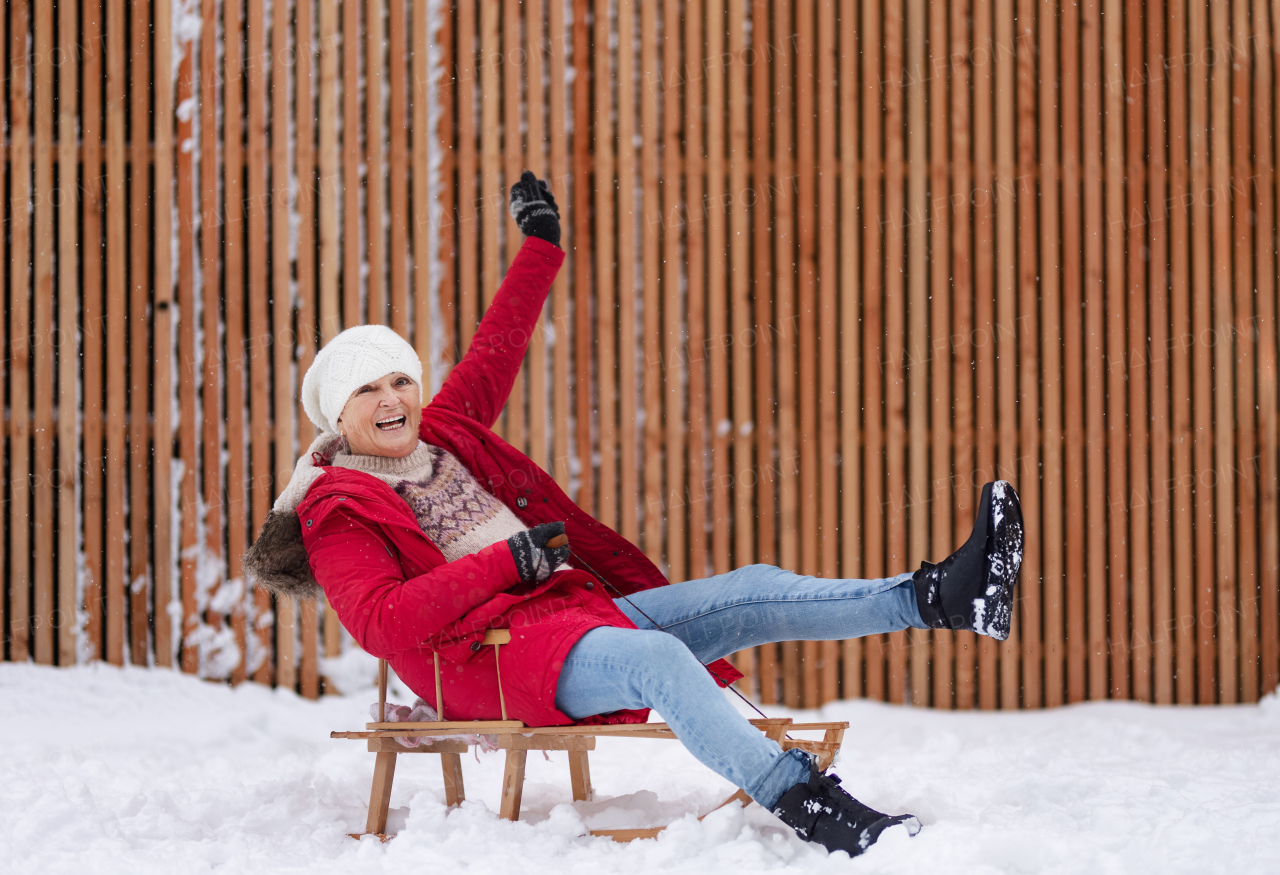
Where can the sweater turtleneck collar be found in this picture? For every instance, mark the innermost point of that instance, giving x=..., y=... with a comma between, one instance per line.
x=400, y=467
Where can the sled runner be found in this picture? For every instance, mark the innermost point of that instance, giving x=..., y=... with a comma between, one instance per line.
x=517, y=740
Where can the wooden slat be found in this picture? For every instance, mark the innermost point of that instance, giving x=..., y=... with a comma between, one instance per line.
x=7, y=51
x=468, y=221
x=259, y=338
x=307, y=314
x=116, y=333
x=139, y=355
x=895, y=327
x=1136, y=358
x=1202, y=358
x=42, y=325
x=1161, y=569
x=353, y=313
x=375, y=234
x=19, y=577
x=162, y=329
x=628, y=487
x=1095, y=375
x=961, y=646
x=1243, y=476
x=1225, y=387
x=211, y=232
x=916, y=498
x=1071, y=248
x=651, y=211
x=1264, y=194
x=283, y=338
x=234, y=242
x=1178, y=216
x=492, y=194
x=851, y=548
x=513, y=163
x=92, y=329
x=69, y=358
x=1049, y=356
x=984, y=298
x=1028, y=467
x=607, y=312
x=778, y=229
x=873, y=355
x=560, y=288
x=329, y=192
x=717, y=317
x=806, y=336
x=535, y=159
x=742, y=479
x=584, y=496
x=1117, y=434
x=773, y=192
x=695, y=258
x=188, y=452
x=674, y=354
x=943, y=291
x=398, y=172
x=430, y=231
x=331, y=249
x=1006, y=324
x=827, y=534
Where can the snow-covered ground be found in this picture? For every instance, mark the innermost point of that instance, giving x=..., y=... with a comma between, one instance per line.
x=133, y=771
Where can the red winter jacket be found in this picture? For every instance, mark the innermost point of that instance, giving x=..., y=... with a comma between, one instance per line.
x=400, y=600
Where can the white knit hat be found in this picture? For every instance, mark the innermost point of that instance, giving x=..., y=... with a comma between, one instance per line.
x=357, y=356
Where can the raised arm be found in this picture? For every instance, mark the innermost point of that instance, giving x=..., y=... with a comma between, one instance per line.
x=479, y=385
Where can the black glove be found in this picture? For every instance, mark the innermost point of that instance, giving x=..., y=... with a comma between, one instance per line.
x=534, y=209
x=534, y=559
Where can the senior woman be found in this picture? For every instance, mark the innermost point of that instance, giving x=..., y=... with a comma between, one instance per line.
x=424, y=529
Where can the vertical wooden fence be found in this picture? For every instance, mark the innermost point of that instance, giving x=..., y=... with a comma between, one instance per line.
x=832, y=265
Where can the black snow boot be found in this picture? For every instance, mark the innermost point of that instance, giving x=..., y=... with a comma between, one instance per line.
x=819, y=810
x=973, y=587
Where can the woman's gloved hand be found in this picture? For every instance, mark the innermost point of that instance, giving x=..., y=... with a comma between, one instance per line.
x=535, y=558
x=534, y=209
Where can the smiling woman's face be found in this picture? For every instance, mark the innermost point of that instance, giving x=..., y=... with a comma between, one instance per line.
x=381, y=418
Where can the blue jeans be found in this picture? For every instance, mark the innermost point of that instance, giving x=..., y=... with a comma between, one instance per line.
x=703, y=620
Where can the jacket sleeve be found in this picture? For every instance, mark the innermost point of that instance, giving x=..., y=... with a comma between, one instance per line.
x=479, y=385
x=382, y=610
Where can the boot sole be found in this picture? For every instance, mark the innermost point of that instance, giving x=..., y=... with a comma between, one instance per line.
x=993, y=611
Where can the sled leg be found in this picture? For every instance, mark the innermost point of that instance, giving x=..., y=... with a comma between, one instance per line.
x=512, y=785
x=384, y=771
x=580, y=775
x=454, y=793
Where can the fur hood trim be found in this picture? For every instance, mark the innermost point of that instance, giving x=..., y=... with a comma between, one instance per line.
x=278, y=559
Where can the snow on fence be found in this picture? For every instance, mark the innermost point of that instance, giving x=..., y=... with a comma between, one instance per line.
x=831, y=267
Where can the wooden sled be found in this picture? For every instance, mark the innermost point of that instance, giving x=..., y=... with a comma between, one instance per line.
x=517, y=740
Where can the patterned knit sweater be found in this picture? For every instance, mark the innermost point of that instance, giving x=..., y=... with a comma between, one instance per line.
x=458, y=514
